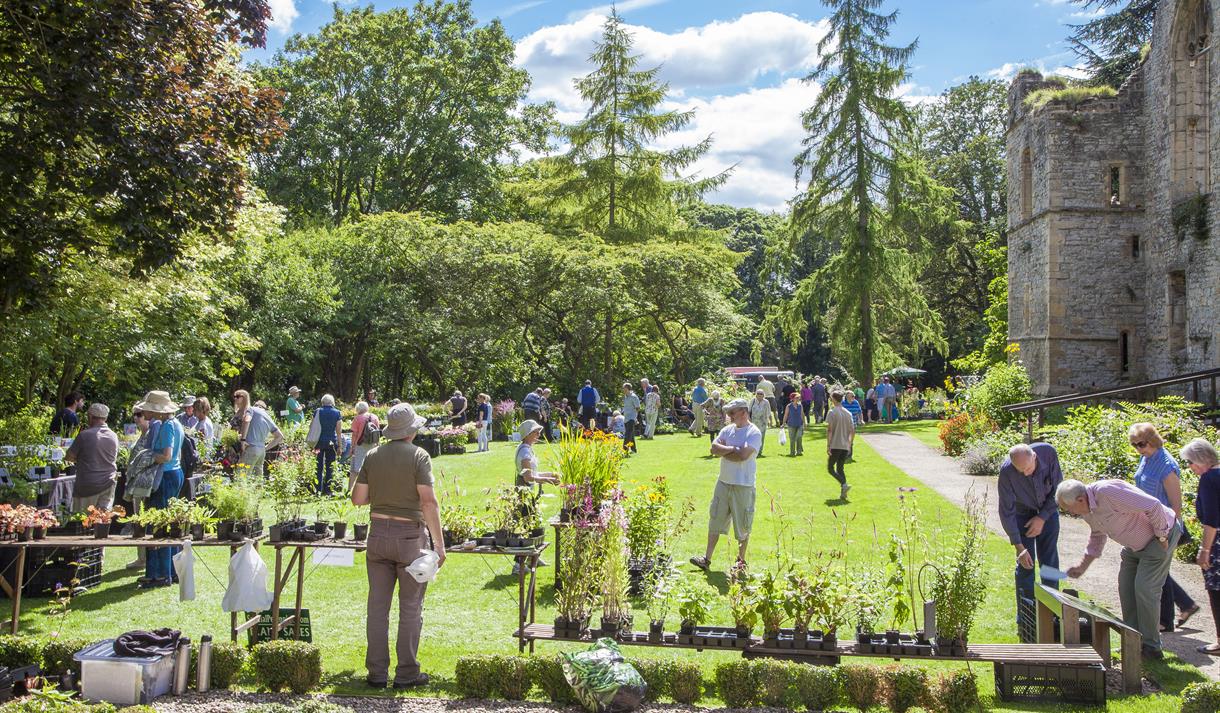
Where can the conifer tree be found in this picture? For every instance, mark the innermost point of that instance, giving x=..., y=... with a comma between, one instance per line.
x=863, y=184
x=1111, y=44
x=620, y=186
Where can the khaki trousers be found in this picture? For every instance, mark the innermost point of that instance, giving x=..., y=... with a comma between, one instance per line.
x=699, y=419
x=1141, y=576
x=392, y=546
x=102, y=501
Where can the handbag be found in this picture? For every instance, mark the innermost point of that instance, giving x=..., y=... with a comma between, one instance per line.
x=315, y=431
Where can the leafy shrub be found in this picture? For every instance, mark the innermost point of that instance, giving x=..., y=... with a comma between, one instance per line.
x=776, y=682
x=737, y=684
x=476, y=676
x=860, y=685
x=1201, y=697
x=1002, y=385
x=295, y=665
x=19, y=650
x=905, y=688
x=57, y=655
x=818, y=687
x=309, y=705
x=960, y=430
x=513, y=674
x=685, y=682
x=142, y=708
x=655, y=673
x=1069, y=95
x=228, y=660
x=957, y=692
x=38, y=702
x=547, y=673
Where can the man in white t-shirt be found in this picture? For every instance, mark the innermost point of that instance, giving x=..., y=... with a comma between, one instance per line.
x=737, y=447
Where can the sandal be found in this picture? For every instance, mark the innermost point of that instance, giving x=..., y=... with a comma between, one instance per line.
x=1186, y=615
x=1210, y=649
x=701, y=562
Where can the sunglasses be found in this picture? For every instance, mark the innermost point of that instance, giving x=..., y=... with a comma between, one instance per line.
x=1139, y=444
x=137, y=415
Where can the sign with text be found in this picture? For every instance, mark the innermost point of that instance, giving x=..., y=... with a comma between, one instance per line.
x=262, y=631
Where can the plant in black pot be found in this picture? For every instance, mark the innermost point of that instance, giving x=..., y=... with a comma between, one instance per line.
x=694, y=597
x=614, y=579
x=341, y=511
x=658, y=592
x=770, y=605
x=100, y=519
x=960, y=587
x=460, y=525
x=360, y=523
x=44, y=520
x=743, y=603
x=179, y=510
x=200, y=519
x=578, y=573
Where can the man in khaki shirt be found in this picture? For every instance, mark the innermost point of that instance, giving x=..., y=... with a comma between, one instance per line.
x=840, y=434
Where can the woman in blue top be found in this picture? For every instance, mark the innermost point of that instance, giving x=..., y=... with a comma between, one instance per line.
x=1158, y=475
x=483, y=422
x=330, y=423
x=167, y=445
x=794, y=419
x=1202, y=459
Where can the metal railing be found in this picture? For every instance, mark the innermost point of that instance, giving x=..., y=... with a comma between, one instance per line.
x=1143, y=391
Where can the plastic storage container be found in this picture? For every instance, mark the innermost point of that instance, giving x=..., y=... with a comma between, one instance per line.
x=123, y=680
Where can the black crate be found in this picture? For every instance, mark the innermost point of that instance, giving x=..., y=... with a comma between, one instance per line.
x=1027, y=620
x=1070, y=684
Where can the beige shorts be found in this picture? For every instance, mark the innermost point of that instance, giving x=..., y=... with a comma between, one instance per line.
x=735, y=502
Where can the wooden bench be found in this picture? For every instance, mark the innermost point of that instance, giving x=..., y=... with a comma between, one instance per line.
x=1054, y=603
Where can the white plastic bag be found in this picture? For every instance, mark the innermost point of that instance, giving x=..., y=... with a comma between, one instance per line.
x=247, y=590
x=783, y=436
x=424, y=568
x=315, y=432
x=184, y=566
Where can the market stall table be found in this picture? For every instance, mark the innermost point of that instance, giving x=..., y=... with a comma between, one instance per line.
x=526, y=590
x=13, y=589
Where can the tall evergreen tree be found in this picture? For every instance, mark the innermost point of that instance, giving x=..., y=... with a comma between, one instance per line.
x=620, y=186
x=855, y=155
x=1111, y=45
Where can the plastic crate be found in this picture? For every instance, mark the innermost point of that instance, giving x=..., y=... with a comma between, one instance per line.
x=123, y=680
x=1027, y=620
x=1050, y=683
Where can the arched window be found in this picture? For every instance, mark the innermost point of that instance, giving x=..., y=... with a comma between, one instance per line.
x=1191, y=99
x=1027, y=186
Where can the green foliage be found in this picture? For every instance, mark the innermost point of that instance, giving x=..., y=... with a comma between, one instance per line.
x=818, y=688
x=546, y=671
x=905, y=688
x=26, y=428
x=694, y=597
x=957, y=692
x=737, y=683
x=1068, y=95
x=1111, y=44
x=1002, y=385
x=477, y=676
x=512, y=674
x=861, y=685
x=655, y=673
x=52, y=701
x=777, y=682
x=1201, y=697
x=309, y=705
x=228, y=660
x=961, y=586
x=685, y=682
x=18, y=650
x=57, y=655
x=295, y=665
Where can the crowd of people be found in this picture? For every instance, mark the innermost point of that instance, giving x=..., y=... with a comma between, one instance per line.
x=1143, y=516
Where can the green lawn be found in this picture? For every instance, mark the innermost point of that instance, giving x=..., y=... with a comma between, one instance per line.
x=471, y=608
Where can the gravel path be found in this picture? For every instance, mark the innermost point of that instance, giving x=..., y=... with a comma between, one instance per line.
x=942, y=474
x=227, y=701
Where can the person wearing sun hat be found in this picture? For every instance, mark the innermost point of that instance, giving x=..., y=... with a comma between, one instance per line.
x=395, y=480
x=737, y=446
x=94, y=451
x=527, y=472
x=187, y=418
x=296, y=412
x=168, y=449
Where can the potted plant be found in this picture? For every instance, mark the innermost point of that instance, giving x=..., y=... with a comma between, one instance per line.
x=770, y=606
x=23, y=522
x=694, y=597
x=658, y=590
x=578, y=575
x=44, y=519
x=743, y=603
x=360, y=523
x=200, y=517
x=801, y=603
x=341, y=509
x=960, y=588
x=178, y=517
x=100, y=519
x=461, y=524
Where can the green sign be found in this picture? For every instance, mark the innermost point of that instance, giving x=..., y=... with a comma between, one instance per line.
x=262, y=630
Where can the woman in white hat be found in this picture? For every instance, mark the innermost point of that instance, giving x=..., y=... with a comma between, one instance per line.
x=168, y=449
x=396, y=482
x=527, y=465
x=296, y=412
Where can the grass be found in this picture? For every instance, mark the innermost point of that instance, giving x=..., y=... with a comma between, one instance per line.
x=471, y=608
x=1069, y=95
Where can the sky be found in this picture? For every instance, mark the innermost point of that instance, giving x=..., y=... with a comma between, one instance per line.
x=739, y=65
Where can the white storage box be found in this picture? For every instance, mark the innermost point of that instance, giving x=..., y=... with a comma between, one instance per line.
x=123, y=680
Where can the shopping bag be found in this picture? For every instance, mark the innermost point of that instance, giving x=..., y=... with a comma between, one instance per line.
x=247, y=582
x=602, y=680
x=184, y=566
x=315, y=432
x=783, y=436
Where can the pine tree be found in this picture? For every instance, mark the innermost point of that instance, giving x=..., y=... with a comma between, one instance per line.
x=1111, y=46
x=863, y=186
x=621, y=187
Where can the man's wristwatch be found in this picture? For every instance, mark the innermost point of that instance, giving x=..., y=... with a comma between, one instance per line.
x=1162, y=539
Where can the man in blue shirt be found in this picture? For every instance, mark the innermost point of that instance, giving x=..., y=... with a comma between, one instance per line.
x=1028, y=511
x=697, y=396
x=588, y=399
x=532, y=405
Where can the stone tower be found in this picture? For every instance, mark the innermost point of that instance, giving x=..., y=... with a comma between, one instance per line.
x=1113, y=271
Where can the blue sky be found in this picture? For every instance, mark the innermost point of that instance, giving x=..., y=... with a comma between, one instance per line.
x=738, y=64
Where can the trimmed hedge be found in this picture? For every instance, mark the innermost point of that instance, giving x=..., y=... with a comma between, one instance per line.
x=57, y=656
x=776, y=682
x=655, y=673
x=295, y=665
x=861, y=685
x=737, y=684
x=547, y=674
x=19, y=650
x=905, y=687
x=685, y=682
x=957, y=692
x=819, y=688
x=475, y=676
x=1201, y=697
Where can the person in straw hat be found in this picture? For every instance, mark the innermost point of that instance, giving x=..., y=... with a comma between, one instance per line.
x=736, y=445
x=94, y=451
x=527, y=471
x=296, y=412
x=395, y=480
x=168, y=449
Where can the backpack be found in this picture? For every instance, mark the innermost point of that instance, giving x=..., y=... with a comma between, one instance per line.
x=371, y=435
x=189, y=457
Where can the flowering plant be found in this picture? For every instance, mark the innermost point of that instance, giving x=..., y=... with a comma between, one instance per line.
x=45, y=518
x=453, y=436
x=96, y=516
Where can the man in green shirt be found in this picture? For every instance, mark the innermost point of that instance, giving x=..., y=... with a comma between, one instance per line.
x=296, y=412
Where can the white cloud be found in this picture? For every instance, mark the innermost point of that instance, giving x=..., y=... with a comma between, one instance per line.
x=283, y=14
x=1089, y=14
x=710, y=70
x=1045, y=65
x=621, y=7
x=520, y=7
